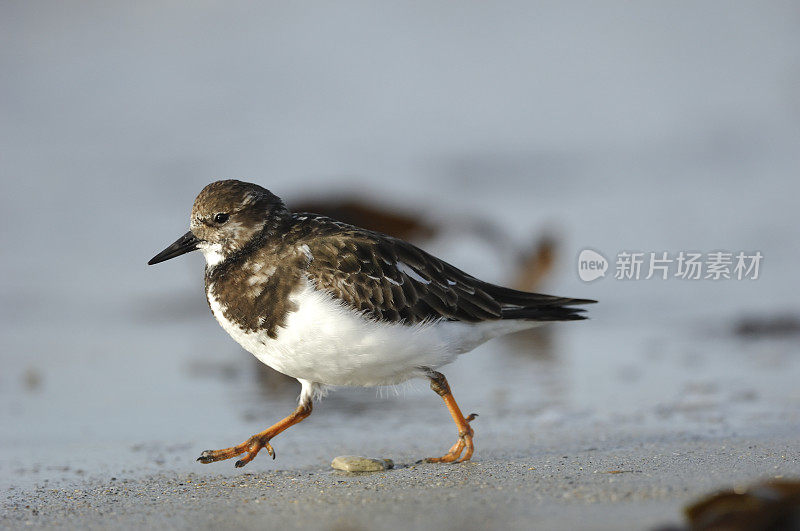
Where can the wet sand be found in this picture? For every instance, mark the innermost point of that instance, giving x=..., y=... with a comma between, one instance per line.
x=635, y=485
x=564, y=439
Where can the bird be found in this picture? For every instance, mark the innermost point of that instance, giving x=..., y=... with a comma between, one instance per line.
x=332, y=304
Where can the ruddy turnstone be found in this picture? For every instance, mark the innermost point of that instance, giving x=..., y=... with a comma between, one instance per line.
x=332, y=304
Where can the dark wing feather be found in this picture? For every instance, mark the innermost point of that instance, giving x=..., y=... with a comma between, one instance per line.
x=392, y=280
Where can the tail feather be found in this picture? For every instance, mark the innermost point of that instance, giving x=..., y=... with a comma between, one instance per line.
x=516, y=304
x=544, y=313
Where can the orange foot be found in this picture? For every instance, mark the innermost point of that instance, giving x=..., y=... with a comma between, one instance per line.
x=251, y=446
x=257, y=442
x=464, y=442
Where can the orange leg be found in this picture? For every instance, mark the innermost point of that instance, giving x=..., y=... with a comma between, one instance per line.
x=258, y=441
x=442, y=388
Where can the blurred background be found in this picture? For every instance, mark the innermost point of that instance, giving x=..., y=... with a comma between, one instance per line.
x=506, y=136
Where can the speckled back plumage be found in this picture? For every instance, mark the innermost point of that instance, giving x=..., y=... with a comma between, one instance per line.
x=385, y=278
x=392, y=280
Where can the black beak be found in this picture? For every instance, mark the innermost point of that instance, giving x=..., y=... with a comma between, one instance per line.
x=186, y=243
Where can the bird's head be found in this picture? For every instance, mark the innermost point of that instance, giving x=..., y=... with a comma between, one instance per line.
x=226, y=216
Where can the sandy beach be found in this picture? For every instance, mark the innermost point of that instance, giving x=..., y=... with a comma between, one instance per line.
x=638, y=485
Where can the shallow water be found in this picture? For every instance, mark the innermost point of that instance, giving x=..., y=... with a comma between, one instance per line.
x=110, y=367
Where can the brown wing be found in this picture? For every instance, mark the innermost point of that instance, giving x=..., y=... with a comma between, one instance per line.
x=392, y=280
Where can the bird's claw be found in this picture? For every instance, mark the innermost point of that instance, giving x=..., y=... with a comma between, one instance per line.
x=206, y=457
x=251, y=447
x=463, y=445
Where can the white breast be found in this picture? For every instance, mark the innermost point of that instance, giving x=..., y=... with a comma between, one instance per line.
x=326, y=342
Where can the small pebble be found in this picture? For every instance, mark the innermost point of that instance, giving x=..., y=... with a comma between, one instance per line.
x=357, y=463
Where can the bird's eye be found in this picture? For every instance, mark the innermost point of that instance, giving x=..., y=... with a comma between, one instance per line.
x=221, y=218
